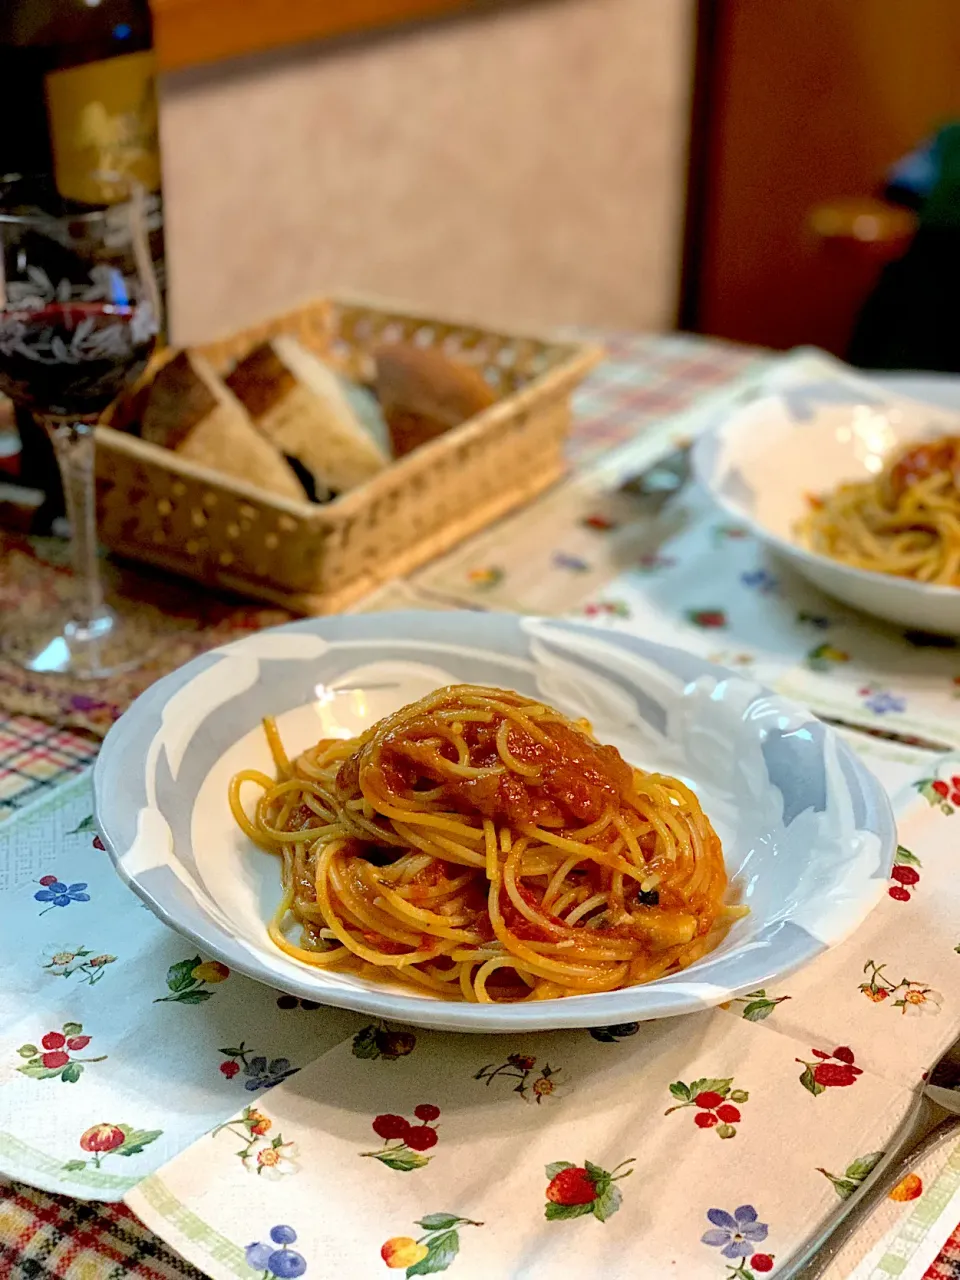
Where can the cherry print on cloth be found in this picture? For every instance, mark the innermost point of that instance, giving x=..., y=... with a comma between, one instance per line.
x=940, y=793
x=830, y=1071
x=102, y=1140
x=88, y=824
x=910, y=997
x=856, y=1172
x=737, y=1235
x=410, y=1139
x=520, y=1067
x=434, y=1251
x=905, y=875
x=378, y=1041
x=268, y=1157
x=607, y=609
x=707, y=618
x=54, y=1057
x=576, y=1190
x=718, y=1106
x=599, y=523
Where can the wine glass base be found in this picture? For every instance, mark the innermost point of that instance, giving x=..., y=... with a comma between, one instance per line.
x=56, y=645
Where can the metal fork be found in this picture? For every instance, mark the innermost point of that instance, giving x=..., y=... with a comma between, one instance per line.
x=655, y=485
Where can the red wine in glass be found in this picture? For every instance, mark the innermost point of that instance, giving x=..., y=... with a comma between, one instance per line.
x=72, y=359
x=81, y=309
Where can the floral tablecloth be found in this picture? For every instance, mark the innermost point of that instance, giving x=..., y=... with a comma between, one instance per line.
x=132, y=1066
x=409, y=1155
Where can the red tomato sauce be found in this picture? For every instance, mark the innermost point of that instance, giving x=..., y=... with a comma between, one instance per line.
x=578, y=780
x=925, y=460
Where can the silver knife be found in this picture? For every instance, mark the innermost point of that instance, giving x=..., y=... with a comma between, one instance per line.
x=933, y=1119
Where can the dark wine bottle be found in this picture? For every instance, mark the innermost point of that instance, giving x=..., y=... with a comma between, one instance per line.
x=78, y=97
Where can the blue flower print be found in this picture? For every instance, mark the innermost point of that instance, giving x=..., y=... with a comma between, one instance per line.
x=283, y=1263
x=761, y=580
x=818, y=620
x=58, y=894
x=575, y=564
x=882, y=702
x=736, y=1235
x=259, y=1073
x=264, y=1075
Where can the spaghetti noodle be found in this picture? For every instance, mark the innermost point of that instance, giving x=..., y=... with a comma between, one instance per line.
x=905, y=521
x=477, y=844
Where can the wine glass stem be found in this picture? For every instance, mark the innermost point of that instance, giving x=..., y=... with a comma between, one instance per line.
x=74, y=445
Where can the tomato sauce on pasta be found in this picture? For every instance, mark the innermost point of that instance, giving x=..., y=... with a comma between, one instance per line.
x=904, y=521
x=480, y=845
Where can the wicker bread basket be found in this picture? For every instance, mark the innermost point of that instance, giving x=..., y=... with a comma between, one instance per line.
x=157, y=507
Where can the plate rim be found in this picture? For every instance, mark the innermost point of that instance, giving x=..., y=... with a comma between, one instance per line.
x=562, y=1013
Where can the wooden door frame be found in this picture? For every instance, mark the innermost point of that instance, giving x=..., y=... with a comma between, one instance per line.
x=700, y=159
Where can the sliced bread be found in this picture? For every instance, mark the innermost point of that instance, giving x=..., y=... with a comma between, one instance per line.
x=423, y=393
x=189, y=409
x=298, y=403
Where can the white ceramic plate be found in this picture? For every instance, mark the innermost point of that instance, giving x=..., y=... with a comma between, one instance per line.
x=762, y=461
x=807, y=830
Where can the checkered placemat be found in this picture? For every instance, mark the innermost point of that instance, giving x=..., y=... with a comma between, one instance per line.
x=643, y=380
x=947, y=1264
x=35, y=756
x=46, y=1237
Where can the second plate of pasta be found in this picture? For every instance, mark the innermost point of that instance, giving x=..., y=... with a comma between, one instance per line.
x=857, y=485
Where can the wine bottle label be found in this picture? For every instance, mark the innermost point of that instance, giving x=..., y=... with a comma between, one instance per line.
x=103, y=128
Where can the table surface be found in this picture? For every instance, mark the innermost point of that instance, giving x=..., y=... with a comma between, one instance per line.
x=49, y=1237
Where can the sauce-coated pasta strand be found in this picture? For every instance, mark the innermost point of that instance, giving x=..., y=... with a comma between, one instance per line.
x=478, y=845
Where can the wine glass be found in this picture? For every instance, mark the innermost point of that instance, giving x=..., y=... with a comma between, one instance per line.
x=79, y=314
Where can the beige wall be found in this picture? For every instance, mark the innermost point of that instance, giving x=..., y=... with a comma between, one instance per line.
x=523, y=167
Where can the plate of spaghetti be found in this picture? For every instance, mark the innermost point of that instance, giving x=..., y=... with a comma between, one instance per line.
x=864, y=498
x=482, y=822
